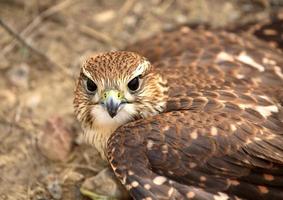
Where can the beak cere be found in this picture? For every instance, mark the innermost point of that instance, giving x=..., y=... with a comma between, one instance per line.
x=112, y=99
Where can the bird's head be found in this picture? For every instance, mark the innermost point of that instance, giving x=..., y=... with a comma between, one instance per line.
x=114, y=88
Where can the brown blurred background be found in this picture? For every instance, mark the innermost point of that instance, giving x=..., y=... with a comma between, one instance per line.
x=42, y=45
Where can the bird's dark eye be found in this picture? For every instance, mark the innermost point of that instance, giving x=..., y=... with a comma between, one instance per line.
x=90, y=86
x=134, y=84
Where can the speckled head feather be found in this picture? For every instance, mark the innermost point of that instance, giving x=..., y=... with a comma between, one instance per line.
x=113, y=71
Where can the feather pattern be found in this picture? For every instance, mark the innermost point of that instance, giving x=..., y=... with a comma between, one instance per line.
x=221, y=133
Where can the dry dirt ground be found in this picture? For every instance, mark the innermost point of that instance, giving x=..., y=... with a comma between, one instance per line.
x=41, y=156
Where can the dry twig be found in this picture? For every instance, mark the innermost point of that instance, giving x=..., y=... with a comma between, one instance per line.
x=102, y=37
x=163, y=8
x=125, y=9
x=80, y=166
x=23, y=42
x=36, y=21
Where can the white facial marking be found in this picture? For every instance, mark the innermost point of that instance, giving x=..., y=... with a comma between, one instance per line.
x=102, y=117
x=86, y=73
x=104, y=125
x=159, y=180
x=141, y=68
x=244, y=58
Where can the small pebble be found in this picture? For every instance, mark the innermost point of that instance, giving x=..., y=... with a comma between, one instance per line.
x=19, y=76
x=55, y=140
x=33, y=101
x=105, y=16
x=74, y=176
x=105, y=183
x=54, y=187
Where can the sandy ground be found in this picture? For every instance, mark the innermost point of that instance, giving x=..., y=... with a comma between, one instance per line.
x=41, y=156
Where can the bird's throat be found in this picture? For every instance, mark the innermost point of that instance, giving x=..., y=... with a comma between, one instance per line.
x=98, y=137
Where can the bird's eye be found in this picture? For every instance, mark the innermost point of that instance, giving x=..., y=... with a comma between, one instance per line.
x=134, y=84
x=91, y=87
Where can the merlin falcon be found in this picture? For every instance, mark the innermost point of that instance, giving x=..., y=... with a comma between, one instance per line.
x=188, y=114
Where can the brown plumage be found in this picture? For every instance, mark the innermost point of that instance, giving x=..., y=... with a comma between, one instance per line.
x=206, y=121
x=270, y=30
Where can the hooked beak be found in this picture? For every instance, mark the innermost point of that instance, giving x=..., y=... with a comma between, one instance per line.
x=112, y=99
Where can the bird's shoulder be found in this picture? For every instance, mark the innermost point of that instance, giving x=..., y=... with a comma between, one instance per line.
x=194, y=60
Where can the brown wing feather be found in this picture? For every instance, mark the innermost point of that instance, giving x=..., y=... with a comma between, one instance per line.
x=242, y=161
x=270, y=30
x=196, y=59
x=222, y=128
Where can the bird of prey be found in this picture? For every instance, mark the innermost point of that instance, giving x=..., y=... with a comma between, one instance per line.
x=188, y=114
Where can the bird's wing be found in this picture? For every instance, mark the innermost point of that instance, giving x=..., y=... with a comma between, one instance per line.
x=222, y=130
x=192, y=60
x=207, y=149
x=192, y=41
x=272, y=33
